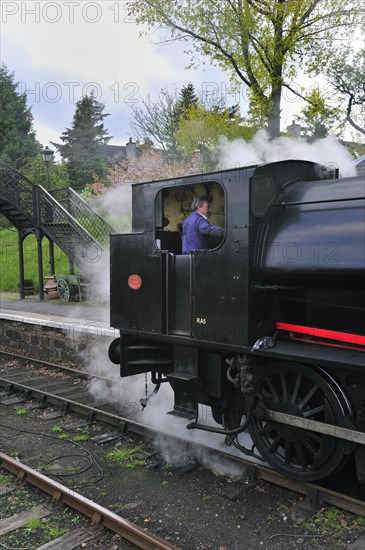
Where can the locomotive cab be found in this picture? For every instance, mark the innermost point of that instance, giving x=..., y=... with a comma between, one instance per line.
x=164, y=302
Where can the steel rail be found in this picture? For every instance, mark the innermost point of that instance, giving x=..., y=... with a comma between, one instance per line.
x=322, y=494
x=55, y=366
x=260, y=472
x=101, y=517
x=304, y=423
x=92, y=412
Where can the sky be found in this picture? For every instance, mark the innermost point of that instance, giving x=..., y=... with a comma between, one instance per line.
x=62, y=50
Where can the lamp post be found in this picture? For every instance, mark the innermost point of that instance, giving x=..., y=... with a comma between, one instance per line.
x=47, y=155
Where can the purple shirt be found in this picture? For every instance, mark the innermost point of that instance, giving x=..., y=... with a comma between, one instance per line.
x=196, y=231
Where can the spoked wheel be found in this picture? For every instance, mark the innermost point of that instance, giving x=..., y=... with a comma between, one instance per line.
x=307, y=393
x=63, y=289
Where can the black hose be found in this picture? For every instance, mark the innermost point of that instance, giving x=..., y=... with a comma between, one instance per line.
x=222, y=431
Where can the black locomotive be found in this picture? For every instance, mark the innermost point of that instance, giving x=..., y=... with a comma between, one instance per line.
x=267, y=326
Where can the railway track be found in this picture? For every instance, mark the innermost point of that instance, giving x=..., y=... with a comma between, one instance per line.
x=314, y=493
x=100, y=517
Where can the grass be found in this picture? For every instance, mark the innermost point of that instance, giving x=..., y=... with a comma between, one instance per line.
x=125, y=457
x=5, y=479
x=51, y=531
x=21, y=410
x=56, y=429
x=330, y=520
x=84, y=436
x=33, y=523
x=9, y=260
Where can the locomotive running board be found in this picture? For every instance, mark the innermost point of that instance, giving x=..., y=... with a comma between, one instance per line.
x=314, y=426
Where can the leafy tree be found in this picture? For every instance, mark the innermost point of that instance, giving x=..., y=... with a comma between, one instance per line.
x=202, y=128
x=260, y=42
x=347, y=78
x=80, y=144
x=317, y=117
x=36, y=172
x=182, y=125
x=156, y=122
x=17, y=138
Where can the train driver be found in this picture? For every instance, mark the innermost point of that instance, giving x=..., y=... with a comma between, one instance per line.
x=196, y=229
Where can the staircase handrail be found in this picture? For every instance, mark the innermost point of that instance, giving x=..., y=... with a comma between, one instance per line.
x=51, y=213
x=21, y=193
x=94, y=223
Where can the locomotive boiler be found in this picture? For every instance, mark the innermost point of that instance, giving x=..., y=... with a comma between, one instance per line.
x=266, y=326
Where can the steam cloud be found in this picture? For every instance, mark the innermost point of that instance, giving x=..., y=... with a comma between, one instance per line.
x=261, y=149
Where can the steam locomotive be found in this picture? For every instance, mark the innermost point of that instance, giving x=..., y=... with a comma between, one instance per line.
x=266, y=327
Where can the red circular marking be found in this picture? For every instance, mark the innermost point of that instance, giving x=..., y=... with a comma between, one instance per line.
x=134, y=282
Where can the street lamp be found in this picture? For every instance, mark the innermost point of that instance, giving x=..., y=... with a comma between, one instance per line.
x=47, y=155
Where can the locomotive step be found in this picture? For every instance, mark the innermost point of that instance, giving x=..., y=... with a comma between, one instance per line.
x=182, y=376
x=139, y=362
x=145, y=346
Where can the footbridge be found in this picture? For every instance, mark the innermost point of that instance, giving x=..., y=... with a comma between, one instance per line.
x=80, y=232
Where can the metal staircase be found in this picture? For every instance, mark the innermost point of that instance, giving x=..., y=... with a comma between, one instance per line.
x=16, y=198
x=70, y=223
x=82, y=235
x=87, y=216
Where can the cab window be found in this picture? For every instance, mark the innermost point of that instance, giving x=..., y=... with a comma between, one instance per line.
x=173, y=206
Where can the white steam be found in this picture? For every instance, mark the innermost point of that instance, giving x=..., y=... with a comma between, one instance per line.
x=116, y=207
x=261, y=149
x=117, y=203
x=125, y=393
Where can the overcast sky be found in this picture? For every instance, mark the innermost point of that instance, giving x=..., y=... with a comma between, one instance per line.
x=60, y=50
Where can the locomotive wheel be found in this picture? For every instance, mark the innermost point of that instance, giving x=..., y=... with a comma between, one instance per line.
x=310, y=394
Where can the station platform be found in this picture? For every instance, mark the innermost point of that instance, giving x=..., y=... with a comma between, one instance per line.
x=57, y=314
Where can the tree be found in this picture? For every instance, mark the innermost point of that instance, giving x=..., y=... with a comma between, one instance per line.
x=201, y=129
x=317, y=117
x=260, y=42
x=187, y=99
x=17, y=138
x=36, y=172
x=80, y=147
x=156, y=122
x=153, y=165
x=168, y=120
x=347, y=78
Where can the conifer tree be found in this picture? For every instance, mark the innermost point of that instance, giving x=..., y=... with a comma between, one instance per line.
x=187, y=99
x=80, y=143
x=18, y=143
